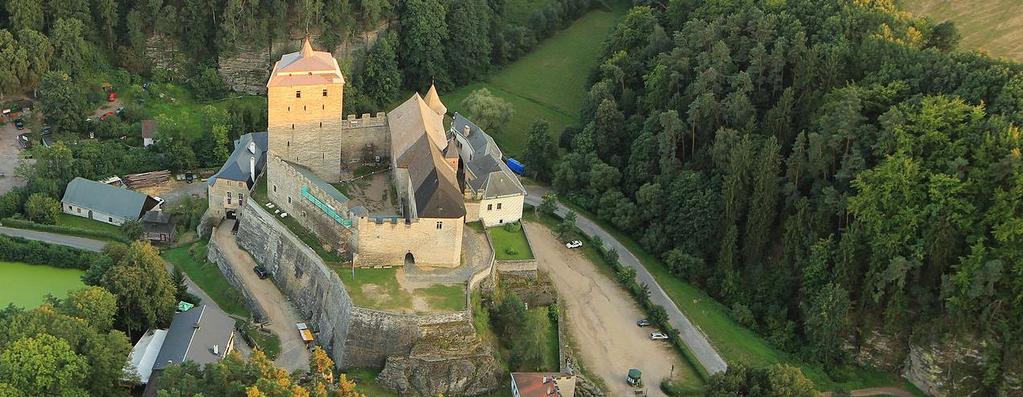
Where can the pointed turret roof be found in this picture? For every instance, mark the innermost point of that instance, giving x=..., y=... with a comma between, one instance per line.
x=306, y=67
x=433, y=101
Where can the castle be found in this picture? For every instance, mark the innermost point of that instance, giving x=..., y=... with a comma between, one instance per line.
x=440, y=178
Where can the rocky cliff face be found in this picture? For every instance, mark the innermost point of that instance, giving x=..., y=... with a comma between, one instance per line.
x=448, y=358
x=247, y=68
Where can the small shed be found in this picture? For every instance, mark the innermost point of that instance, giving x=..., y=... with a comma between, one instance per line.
x=148, y=132
x=158, y=226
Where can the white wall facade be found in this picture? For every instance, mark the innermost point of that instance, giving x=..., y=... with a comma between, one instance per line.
x=75, y=210
x=501, y=210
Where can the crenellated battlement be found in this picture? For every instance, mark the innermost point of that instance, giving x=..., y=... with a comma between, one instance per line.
x=364, y=121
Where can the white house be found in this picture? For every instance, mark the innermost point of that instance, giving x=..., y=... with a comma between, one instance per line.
x=104, y=203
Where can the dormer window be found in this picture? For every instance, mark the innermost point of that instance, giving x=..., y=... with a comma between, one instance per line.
x=298, y=94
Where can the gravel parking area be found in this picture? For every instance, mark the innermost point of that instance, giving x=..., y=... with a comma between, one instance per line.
x=602, y=318
x=9, y=159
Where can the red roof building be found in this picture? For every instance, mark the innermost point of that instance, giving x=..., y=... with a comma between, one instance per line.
x=542, y=384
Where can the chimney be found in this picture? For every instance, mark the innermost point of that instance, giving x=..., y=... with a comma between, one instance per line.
x=466, y=130
x=252, y=168
x=252, y=147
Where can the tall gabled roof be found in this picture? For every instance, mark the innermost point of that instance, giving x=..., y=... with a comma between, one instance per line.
x=410, y=120
x=107, y=199
x=434, y=183
x=433, y=101
x=306, y=67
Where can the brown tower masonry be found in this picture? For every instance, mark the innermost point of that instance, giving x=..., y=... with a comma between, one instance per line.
x=304, y=110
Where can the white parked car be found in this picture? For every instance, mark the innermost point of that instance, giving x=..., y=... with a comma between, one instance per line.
x=574, y=244
x=658, y=336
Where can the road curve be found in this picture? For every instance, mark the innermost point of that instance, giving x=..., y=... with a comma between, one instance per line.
x=694, y=339
x=81, y=243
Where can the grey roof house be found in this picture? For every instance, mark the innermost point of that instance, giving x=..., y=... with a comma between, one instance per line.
x=199, y=335
x=158, y=226
x=104, y=203
x=486, y=174
x=246, y=161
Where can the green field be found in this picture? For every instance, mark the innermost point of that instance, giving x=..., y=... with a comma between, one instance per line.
x=993, y=26
x=208, y=277
x=379, y=289
x=510, y=245
x=548, y=83
x=26, y=285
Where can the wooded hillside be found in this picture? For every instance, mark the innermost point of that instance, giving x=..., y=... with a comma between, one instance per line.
x=824, y=168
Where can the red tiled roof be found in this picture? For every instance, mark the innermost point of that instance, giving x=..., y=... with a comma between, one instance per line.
x=531, y=384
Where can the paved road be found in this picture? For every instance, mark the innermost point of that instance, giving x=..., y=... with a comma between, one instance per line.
x=59, y=239
x=282, y=314
x=694, y=339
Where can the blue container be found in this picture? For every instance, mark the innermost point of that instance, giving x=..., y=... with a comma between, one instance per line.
x=516, y=166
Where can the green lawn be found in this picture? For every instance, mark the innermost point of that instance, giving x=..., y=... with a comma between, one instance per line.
x=26, y=285
x=548, y=83
x=444, y=297
x=993, y=26
x=179, y=105
x=267, y=341
x=733, y=341
x=510, y=245
x=208, y=277
x=68, y=220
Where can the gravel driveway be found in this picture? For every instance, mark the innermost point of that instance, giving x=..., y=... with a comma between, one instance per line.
x=602, y=318
x=9, y=159
x=281, y=312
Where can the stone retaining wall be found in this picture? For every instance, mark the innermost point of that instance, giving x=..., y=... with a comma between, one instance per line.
x=421, y=354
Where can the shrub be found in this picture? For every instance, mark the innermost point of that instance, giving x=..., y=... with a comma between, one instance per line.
x=511, y=251
x=16, y=249
x=512, y=227
x=41, y=208
x=743, y=315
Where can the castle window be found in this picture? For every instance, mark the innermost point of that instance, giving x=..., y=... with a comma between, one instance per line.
x=241, y=199
x=324, y=92
x=289, y=108
x=321, y=124
x=298, y=94
x=498, y=205
x=304, y=108
x=292, y=126
x=322, y=107
x=490, y=207
x=275, y=188
x=289, y=142
x=440, y=225
x=289, y=199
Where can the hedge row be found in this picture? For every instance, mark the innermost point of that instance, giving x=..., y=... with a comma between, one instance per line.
x=73, y=231
x=15, y=249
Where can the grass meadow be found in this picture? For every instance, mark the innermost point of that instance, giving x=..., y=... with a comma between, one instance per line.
x=992, y=26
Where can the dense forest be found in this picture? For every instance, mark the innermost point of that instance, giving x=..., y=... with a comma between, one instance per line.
x=824, y=168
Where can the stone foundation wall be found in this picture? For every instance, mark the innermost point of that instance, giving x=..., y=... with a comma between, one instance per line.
x=387, y=243
x=284, y=189
x=416, y=344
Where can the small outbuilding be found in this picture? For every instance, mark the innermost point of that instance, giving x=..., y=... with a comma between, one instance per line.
x=542, y=384
x=104, y=203
x=148, y=133
x=158, y=226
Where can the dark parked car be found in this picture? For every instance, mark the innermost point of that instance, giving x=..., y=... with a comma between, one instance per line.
x=643, y=323
x=20, y=124
x=261, y=271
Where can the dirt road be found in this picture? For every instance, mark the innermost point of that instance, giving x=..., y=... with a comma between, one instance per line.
x=9, y=159
x=281, y=312
x=602, y=318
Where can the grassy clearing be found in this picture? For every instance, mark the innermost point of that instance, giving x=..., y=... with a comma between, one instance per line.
x=443, y=297
x=549, y=83
x=375, y=288
x=510, y=244
x=993, y=26
x=77, y=222
x=208, y=277
x=26, y=285
x=177, y=103
x=550, y=357
x=733, y=341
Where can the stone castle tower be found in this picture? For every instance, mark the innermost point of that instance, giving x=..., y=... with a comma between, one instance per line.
x=304, y=108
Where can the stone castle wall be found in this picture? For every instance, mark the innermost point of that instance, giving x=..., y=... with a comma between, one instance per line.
x=387, y=243
x=304, y=127
x=364, y=139
x=361, y=337
x=283, y=188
